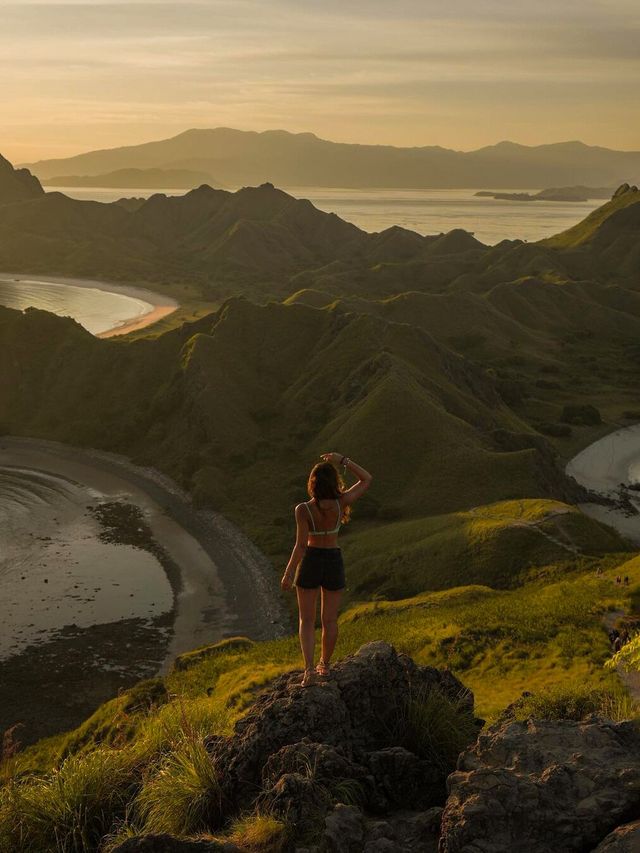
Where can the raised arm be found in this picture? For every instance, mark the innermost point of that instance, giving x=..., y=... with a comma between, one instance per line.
x=364, y=477
x=302, y=533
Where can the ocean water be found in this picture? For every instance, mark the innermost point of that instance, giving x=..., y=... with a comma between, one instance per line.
x=425, y=211
x=54, y=569
x=97, y=310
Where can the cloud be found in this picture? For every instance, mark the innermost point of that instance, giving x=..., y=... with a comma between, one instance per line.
x=333, y=66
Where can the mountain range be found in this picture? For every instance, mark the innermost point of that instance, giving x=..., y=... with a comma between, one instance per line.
x=477, y=349
x=238, y=158
x=264, y=243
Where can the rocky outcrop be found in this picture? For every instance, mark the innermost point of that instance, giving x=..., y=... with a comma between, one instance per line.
x=353, y=726
x=544, y=787
x=348, y=764
x=17, y=184
x=625, y=839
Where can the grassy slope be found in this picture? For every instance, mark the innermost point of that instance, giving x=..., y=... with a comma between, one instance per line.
x=499, y=643
x=587, y=228
x=253, y=394
x=500, y=545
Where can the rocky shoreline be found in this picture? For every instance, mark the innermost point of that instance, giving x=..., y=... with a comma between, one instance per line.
x=207, y=562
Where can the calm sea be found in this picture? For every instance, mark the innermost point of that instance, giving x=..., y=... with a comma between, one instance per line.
x=424, y=211
x=96, y=310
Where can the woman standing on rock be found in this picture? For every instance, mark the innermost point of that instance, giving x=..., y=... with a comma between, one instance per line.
x=316, y=558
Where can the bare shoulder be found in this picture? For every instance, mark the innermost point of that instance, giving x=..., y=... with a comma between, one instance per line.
x=300, y=510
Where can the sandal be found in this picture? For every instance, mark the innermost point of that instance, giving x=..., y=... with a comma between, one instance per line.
x=309, y=678
x=322, y=669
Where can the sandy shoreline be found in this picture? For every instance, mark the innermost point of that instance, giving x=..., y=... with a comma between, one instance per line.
x=159, y=304
x=606, y=467
x=226, y=587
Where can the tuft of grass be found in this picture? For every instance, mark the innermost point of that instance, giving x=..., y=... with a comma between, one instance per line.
x=575, y=702
x=260, y=833
x=70, y=809
x=182, y=795
x=436, y=727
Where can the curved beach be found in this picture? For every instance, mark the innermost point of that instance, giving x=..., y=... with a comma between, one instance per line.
x=608, y=467
x=130, y=308
x=102, y=616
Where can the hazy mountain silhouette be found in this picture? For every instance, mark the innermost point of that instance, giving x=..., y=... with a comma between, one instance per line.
x=182, y=179
x=245, y=157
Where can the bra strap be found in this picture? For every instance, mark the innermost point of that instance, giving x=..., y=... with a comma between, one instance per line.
x=313, y=524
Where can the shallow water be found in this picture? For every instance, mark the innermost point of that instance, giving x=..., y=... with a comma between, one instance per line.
x=55, y=571
x=97, y=310
x=608, y=465
x=424, y=211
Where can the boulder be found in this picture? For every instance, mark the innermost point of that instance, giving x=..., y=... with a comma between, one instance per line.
x=404, y=780
x=328, y=766
x=344, y=830
x=348, y=830
x=624, y=839
x=352, y=714
x=543, y=787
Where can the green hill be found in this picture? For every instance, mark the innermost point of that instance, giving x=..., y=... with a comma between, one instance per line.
x=587, y=230
x=253, y=394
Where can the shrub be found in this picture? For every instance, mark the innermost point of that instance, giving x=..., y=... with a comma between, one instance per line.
x=554, y=430
x=581, y=415
x=145, y=696
x=628, y=657
x=574, y=702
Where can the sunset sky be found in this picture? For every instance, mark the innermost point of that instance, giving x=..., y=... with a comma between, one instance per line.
x=461, y=73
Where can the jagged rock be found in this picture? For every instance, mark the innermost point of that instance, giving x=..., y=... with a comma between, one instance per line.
x=343, y=830
x=17, y=184
x=347, y=830
x=624, y=839
x=168, y=844
x=405, y=780
x=355, y=711
x=407, y=832
x=543, y=787
x=297, y=799
x=327, y=766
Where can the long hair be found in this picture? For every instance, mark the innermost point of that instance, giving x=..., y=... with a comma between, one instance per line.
x=325, y=483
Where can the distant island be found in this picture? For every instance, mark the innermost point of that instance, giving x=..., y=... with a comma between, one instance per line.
x=168, y=179
x=245, y=158
x=578, y=193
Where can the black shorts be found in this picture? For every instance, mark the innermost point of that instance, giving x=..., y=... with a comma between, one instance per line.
x=321, y=567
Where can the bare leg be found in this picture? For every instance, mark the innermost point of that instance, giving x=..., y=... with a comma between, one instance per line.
x=330, y=604
x=307, y=600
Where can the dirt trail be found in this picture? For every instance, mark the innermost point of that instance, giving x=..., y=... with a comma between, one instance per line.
x=534, y=525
